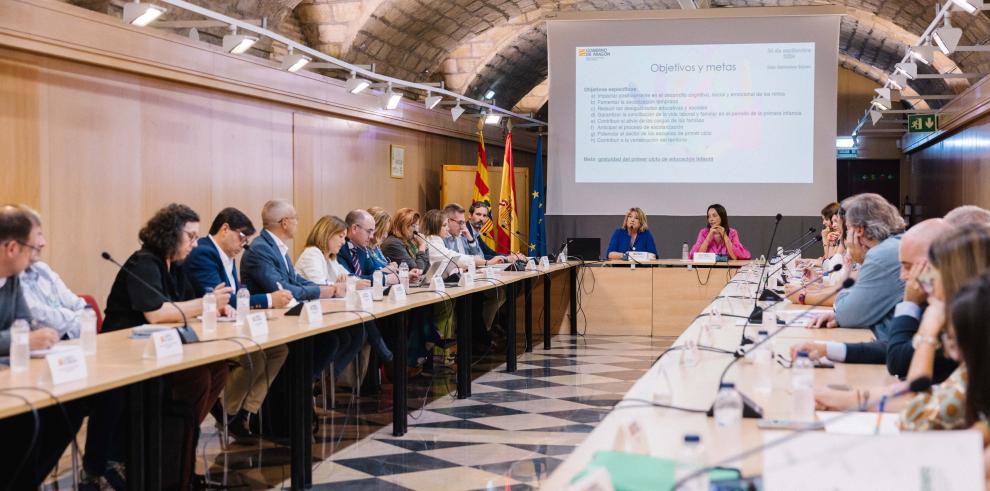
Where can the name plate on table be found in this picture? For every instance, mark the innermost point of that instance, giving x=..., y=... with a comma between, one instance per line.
x=705, y=257
x=164, y=344
x=544, y=264
x=397, y=293
x=314, y=313
x=437, y=284
x=257, y=324
x=531, y=265
x=68, y=365
x=643, y=256
x=467, y=279
x=365, y=300
x=489, y=273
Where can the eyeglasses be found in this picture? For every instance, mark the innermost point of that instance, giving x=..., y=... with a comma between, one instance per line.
x=193, y=236
x=32, y=247
x=459, y=222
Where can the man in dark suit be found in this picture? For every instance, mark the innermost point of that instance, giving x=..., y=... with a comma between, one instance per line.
x=211, y=263
x=354, y=254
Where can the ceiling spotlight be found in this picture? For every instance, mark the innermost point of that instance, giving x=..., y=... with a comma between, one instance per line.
x=236, y=44
x=897, y=80
x=875, y=116
x=492, y=118
x=889, y=94
x=490, y=94
x=970, y=6
x=456, y=111
x=294, y=62
x=924, y=53
x=881, y=104
x=390, y=98
x=947, y=37
x=909, y=69
x=355, y=84
x=845, y=142
x=432, y=100
x=141, y=14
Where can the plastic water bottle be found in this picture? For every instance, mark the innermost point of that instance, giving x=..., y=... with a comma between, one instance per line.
x=209, y=313
x=684, y=251
x=762, y=358
x=377, y=285
x=20, y=346
x=87, y=330
x=728, y=406
x=689, y=351
x=404, y=276
x=691, y=460
x=803, y=388
x=243, y=306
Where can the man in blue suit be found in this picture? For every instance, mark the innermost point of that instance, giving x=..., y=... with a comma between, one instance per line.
x=211, y=263
x=354, y=253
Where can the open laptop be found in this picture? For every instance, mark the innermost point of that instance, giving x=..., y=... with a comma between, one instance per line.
x=424, y=280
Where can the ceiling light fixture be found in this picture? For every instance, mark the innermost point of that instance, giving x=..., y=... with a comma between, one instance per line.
x=356, y=85
x=141, y=14
x=947, y=37
x=924, y=53
x=236, y=44
x=490, y=94
x=970, y=6
x=910, y=69
x=897, y=80
x=881, y=104
x=493, y=118
x=432, y=100
x=456, y=111
x=294, y=62
x=390, y=98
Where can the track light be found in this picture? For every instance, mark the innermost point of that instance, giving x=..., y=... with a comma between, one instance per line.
x=924, y=53
x=881, y=104
x=456, y=111
x=492, y=118
x=236, y=44
x=947, y=37
x=970, y=6
x=141, y=14
x=294, y=62
x=897, y=80
x=490, y=94
x=390, y=98
x=875, y=116
x=892, y=95
x=909, y=69
x=432, y=100
x=356, y=85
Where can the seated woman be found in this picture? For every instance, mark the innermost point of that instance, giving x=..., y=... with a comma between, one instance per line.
x=318, y=263
x=957, y=284
x=832, y=232
x=717, y=237
x=403, y=246
x=435, y=229
x=383, y=223
x=634, y=236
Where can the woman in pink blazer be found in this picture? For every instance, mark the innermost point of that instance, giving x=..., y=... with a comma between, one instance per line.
x=717, y=237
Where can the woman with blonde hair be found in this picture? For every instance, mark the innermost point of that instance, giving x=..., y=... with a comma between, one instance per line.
x=383, y=223
x=633, y=236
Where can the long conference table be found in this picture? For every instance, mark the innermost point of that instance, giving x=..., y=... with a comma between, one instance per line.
x=119, y=363
x=696, y=386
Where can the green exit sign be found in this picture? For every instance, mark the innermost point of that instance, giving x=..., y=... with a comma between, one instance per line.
x=922, y=123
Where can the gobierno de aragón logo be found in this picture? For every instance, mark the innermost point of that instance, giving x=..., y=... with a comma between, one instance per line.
x=596, y=52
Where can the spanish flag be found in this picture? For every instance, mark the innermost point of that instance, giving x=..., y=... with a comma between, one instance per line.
x=482, y=193
x=506, y=235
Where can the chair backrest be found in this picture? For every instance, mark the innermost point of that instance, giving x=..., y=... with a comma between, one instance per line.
x=96, y=308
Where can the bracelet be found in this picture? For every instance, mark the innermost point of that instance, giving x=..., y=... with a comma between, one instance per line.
x=919, y=340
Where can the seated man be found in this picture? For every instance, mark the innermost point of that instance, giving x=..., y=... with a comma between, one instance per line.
x=873, y=234
x=353, y=255
x=212, y=263
x=52, y=304
x=477, y=221
x=913, y=253
x=20, y=239
x=266, y=267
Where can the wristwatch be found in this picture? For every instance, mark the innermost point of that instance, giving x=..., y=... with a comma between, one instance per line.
x=919, y=340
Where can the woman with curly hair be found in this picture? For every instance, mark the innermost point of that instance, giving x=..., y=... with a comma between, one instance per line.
x=166, y=241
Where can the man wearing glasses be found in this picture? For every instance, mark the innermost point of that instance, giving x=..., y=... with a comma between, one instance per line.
x=212, y=263
x=354, y=255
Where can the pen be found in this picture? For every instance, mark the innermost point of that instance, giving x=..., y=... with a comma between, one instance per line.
x=883, y=403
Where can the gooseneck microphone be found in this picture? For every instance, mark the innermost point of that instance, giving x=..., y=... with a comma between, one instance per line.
x=186, y=333
x=776, y=223
x=802, y=237
x=768, y=295
x=442, y=253
x=560, y=249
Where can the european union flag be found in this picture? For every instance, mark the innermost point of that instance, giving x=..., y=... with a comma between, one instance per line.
x=537, y=207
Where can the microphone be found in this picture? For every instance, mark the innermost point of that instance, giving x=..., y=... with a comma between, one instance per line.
x=757, y=314
x=560, y=249
x=769, y=295
x=750, y=408
x=186, y=333
x=759, y=286
x=811, y=230
x=917, y=385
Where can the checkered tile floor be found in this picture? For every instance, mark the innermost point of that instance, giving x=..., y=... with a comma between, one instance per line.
x=513, y=431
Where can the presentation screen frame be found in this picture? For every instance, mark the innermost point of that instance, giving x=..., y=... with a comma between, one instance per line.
x=567, y=32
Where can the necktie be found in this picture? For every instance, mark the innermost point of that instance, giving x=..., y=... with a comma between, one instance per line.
x=355, y=262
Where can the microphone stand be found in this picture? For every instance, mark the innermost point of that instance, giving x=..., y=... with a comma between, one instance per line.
x=768, y=295
x=186, y=333
x=759, y=286
x=758, y=312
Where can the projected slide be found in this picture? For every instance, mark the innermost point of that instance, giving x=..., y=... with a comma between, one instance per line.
x=717, y=113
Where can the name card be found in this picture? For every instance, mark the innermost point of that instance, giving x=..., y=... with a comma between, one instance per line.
x=489, y=273
x=437, y=284
x=531, y=265
x=163, y=345
x=467, y=279
x=314, y=313
x=365, y=300
x=562, y=257
x=397, y=293
x=68, y=366
x=544, y=263
x=257, y=324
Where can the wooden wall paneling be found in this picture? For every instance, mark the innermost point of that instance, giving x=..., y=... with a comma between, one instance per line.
x=20, y=133
x=621, y=303
x=680, y=294
x=306, y=149
x=94, y=144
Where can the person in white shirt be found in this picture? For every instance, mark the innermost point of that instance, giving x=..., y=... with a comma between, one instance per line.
x=436, y=231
